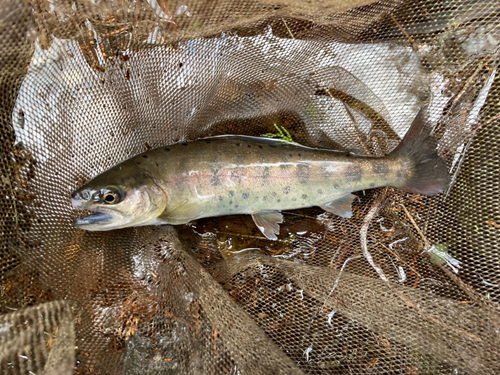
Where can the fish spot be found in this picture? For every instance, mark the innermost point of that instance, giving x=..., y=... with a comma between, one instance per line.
x=380, y=168
x=302, y=172
x=290, y=155
x=237, y=144
x=221, y=197
x=236, y=205
x=372, y=185
x=327, y=170
x=260, y=146
x=145, y=156
x=264, y=197
x=215, y=181
x=157, y=164
x=215, y=167
x=207, y=142
x=320, y=191
x=231, y=193
x=294, y=199
x=286, y=190
x=249, y=146
x=354, y=174
x=138, y=163
x=167, y=149
x=230, y=202
x=245, y=195
x=304, y=196
x=267, y=173
x=335, y=186
x=299, y=155
x=184, y=143
x=399, y=174
x=279, y=200
x=274, y=194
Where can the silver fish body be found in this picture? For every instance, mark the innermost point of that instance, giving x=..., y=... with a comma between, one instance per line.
x=230, y=175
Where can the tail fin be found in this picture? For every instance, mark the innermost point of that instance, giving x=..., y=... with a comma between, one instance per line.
x=430, y=174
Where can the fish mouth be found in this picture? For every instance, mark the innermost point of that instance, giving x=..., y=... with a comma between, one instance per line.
x=99, y=218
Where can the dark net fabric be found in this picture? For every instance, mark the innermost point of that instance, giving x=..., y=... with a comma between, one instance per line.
x=408, y=285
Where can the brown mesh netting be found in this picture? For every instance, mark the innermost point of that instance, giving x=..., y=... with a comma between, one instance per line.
x=87, y=84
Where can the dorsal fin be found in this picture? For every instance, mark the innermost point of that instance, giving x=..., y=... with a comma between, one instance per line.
x=259, y=140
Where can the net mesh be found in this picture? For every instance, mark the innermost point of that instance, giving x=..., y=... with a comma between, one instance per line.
x=408, y=285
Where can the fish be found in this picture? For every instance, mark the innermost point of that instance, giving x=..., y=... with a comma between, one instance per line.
x=261, y=177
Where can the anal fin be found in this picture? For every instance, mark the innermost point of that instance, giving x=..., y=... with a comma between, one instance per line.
x=340, y=206
x=268, y=221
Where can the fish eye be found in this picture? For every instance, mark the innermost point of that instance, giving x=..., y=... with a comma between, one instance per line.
x=109, y=198
x=111, y=195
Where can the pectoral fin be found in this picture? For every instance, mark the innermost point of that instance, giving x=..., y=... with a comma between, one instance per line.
x=183, y=213
x=340, y=206
x=268, y=222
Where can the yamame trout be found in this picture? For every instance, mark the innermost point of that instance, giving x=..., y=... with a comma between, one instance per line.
x=228, y=175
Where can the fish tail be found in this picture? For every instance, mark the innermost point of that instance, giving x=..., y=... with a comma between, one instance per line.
x=429, y=172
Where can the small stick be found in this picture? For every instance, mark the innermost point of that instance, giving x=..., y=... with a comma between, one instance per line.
x=470, y=81
x=288, y=28
x=300, y=215
x=249, y=236
x=415, y=226
x=337, y=282
x=119, y=31
x=477, y=298
x=393, y=253
x=421, y=312
x=363, y=232
x=356, y=128
x=487, y=122
x=412, y=42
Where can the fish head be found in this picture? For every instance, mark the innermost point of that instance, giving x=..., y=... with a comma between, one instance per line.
x=120, y=197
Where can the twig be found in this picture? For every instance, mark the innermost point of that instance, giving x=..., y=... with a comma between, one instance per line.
x=421, y=312
x=412, y=42
x=470, y=81
x=350, y=119
x=249, y=236
x=458, y=168
x=356, y=128
x=487, y=122
x=336, y=282
x=334, y=256
x=119, y=31
x=477, y=298
x=393, y=253
x=300, y=215
x=416, y=226
x=363, y=232
x=344, y=252
x=288, y=28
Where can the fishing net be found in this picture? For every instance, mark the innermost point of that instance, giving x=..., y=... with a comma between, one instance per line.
x=408, y=285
